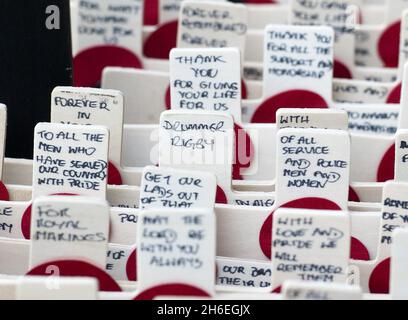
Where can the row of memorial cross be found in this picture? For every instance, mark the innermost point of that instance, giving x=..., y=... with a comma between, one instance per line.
x=233, y=151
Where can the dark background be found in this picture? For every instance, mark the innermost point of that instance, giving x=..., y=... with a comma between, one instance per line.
x=33, y=60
